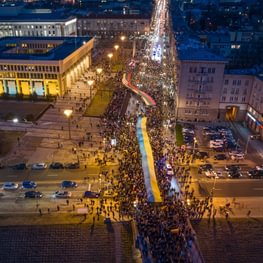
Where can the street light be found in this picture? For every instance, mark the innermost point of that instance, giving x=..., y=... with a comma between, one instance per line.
x=99, y=70
x=15, y=120
x=68, y=114
x=110, y=55
x=195, y=142
x=90, y=83
x=116, y=47
x=123, y=38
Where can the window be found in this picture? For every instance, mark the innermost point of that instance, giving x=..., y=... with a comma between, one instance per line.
x=190, y=70
x=213, y=70
x=234, y=82
x=239, y=82
x=233, y=91
x=237, y=91
x=243, y=99
x=225, y=91
x=236, y=98
x=223, y=98
x=231, y=98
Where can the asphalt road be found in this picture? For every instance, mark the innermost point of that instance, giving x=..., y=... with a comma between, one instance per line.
x=231, y=187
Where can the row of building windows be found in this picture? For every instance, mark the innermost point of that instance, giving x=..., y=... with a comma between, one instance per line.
x=29, y=68
x=197, y=103
x=195, y=112
x=234, y=91
x=232, y=98
x=3, y=27
x=236, y=82
x=202, y=70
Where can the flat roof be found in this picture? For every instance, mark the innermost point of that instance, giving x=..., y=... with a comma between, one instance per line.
x=198, y=54
x=67, y=46
x=37, y=17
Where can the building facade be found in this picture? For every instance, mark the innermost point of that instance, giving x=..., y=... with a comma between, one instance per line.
x=42, y=66
x=38, y=25
x=113, y=25
x=254, y=115
x=200, y=77
x=235, y=95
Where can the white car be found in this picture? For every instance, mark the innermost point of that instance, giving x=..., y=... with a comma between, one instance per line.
x=169, y=169
x=39, y=166
x=10, y=186
x=211, y=174
x=62, y=194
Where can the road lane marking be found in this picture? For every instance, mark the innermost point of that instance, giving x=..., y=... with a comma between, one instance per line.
x=52, y=175
x=217, y=189
x=258, y=189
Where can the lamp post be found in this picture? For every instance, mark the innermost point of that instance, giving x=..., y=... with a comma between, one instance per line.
x=68, y=114
x=116, y=47
x=195, y=142
x=122, y=40
x=110, y=57
x=90, y=83
x=99, y=70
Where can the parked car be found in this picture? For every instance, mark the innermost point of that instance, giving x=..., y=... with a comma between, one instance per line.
x=202, y=155
x=234, y=174
x=72, y=166
x=39, y=166
x=205, y=167
x=29, y=185
x=255, y=173
x=63, y=194
x=90, y=194
x=211, y=174
x=220, y=156
x=69, y=184
x=56, y=165
x=232, y=167
x=20, y=166
x=33, y=194
x=10, y=186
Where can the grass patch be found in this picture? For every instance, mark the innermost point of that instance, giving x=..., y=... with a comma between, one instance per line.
x=8, y=139
x=117, y=67
x=101, y=100
x=179, y=135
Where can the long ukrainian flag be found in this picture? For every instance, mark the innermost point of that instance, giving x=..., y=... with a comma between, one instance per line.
x=150, y=181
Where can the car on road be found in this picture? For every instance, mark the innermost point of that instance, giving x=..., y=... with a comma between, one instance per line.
x=33, y=194
x=56, y=165
x=90, y=194
x=39, y=166
x=63, y=194
x=234, y=174
x=211, y=174
x=220, y=156
x=72, y=166
x=202, y=155
x=232, y=167
x=205, y=167
x=10, y=186
x=20, y=166
x=69, y=184
x=169, y=169
x=255, y=173
x=28, y=185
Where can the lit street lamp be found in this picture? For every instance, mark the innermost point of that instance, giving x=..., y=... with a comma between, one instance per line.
x=99, y=70
x=110, y=57
x=68, y=114
x=90, y=83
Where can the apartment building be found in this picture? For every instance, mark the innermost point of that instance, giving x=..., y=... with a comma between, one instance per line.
x=254, y=115
x=235, y=94
x=42, y=66
x=200, y=77
x=107, y=25
x=38, y=25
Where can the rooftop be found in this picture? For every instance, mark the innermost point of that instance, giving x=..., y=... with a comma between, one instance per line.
x=57, y=48
x=36, y=17
x=199, y=54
